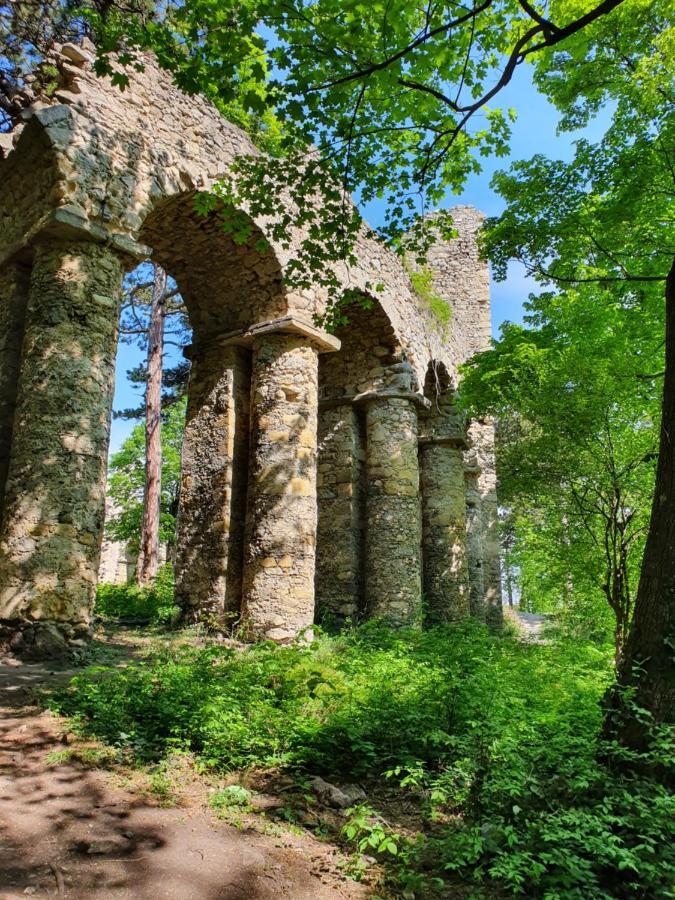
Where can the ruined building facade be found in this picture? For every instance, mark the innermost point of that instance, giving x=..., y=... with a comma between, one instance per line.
x=323, y=475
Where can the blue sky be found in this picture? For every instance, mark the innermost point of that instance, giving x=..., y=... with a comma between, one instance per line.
x=533, y=132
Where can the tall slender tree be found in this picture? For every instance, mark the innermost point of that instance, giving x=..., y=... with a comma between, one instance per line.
x=149, y=306
x=148, y=553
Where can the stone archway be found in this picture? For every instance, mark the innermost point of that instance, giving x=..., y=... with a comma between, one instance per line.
x=115, y=184
x=247, y=515
x=369, y=541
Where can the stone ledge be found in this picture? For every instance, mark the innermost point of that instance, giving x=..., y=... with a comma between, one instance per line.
x=245, y=337
x=448, y=440
x=371, y=396
x=42, y=639
x=327, y=343
x=70, y=223
x=334, y=402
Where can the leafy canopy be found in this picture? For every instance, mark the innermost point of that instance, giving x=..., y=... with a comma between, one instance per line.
x=581, y=384
x=607, y=215
x=576, y=390
x=395, y=97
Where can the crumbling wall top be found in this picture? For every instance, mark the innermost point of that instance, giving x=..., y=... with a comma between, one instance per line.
x=97, y=162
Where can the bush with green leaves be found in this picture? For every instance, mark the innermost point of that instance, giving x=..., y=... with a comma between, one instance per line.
x=153, y=604
x=495, y=742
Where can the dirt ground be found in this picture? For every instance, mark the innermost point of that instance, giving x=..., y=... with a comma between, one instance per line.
x=76, y=832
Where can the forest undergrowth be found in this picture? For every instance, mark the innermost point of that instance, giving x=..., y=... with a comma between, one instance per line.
x=490, y=744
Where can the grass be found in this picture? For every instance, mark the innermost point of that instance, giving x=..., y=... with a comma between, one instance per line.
x=152, y=605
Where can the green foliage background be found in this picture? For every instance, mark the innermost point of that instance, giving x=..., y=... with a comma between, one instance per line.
x=153, y=604
x=127, y=479
x=576, y=391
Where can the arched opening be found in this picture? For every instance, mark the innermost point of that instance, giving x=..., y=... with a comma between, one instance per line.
x=248, y=507
x=231, y=284
x=107, y=186
x=228, y=280
x=151, y=380
x=363, y=378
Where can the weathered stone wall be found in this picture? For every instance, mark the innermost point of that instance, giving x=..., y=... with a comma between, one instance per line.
x=474, y=542
x=97, y=179
x=119, y=559
x=117, y=564
x=341, y=494
x=210, y=549
x=393, y=585
x=55, y=490
x=444, y=532
x=461, y=277
x=480, y=461
x=14, y=286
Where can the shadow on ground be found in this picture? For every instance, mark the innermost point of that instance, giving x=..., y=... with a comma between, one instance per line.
x=72, y=832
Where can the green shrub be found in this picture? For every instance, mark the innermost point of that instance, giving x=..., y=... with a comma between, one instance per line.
x=232, y=796
x=494, y=740
x=129, y=601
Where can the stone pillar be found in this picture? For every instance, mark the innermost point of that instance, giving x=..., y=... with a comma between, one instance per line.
x=14, y=285
x=482, y=515
x=474, y=542
x=483, y=435
x=341, y=497
x=214, y=465
x=392, y=568
x=55, y=494
x=279, y=561
x=444, y=546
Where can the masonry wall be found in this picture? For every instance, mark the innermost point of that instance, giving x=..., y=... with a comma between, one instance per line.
x=319, y=473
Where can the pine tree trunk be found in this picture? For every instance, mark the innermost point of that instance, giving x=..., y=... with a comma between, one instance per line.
x=648, y=660
x=146, y=569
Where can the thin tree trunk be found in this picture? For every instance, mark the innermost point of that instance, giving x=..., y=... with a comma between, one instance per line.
x=647, y=663
x=509, y=584
x=146, y=569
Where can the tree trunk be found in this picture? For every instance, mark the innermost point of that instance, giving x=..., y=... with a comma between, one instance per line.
x=509, y=585
x=146, y=569
x=648, y=664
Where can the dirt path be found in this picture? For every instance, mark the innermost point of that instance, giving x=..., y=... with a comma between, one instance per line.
x=532, y=626
x=71, y=832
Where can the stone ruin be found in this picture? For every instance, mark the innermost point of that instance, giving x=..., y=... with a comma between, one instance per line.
x=323, y=475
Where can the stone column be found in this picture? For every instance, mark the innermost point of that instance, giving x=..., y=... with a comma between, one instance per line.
x=55, y=494
x=14, y=285
x=392, y=569
x=474, y=541
x=214, y=465
x=341, y=497
x=279, y=561
x=483, y=436
x=444, y=550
